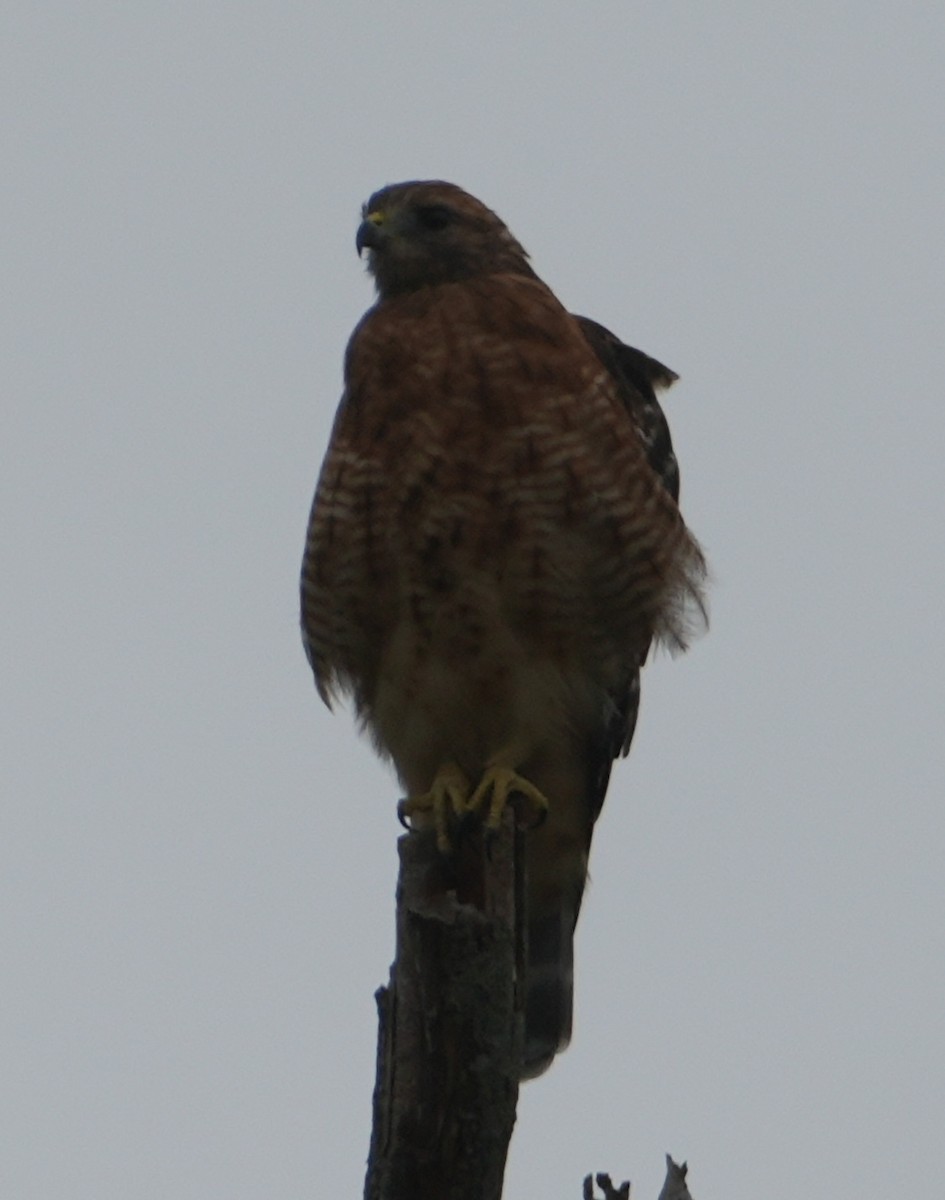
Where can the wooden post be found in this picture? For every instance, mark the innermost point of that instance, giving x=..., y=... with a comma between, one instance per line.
x=451, y=1021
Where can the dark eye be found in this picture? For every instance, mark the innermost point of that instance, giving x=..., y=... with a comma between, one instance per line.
x=434, y=216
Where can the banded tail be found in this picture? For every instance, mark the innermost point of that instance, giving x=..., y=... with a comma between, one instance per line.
x=549, y=987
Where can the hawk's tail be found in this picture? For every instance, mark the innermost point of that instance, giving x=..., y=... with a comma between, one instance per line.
x=549, y=988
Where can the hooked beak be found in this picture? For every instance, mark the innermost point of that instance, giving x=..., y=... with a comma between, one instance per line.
x=370, y=235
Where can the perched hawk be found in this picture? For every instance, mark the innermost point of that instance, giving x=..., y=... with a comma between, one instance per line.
x=493, y=546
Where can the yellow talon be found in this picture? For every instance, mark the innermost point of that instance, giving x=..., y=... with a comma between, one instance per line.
x=495, y=791
x=446, y=799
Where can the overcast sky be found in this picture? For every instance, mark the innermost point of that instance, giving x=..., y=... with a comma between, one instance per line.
x=196, y=859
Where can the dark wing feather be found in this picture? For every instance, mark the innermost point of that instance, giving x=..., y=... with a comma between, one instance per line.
x=638, y=378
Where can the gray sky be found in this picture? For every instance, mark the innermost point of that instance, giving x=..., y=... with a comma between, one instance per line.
x=196, y=859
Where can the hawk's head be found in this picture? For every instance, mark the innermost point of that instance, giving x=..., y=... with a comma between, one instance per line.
x=423, y=233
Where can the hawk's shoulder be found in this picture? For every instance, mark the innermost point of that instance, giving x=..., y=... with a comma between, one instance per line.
x=638, y=378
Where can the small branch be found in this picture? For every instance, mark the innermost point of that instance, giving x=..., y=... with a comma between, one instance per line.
x=606, y=1186
x=673, y=1189
x=450, y=1022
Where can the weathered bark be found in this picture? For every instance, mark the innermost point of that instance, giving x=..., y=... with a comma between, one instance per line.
x=450, y=1021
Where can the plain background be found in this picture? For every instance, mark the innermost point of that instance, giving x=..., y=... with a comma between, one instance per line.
x=197, y=858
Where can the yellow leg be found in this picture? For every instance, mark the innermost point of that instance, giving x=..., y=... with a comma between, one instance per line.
x=495, y=791
x=447, y=798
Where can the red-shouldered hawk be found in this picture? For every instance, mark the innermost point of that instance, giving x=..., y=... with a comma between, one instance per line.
x=493, y=545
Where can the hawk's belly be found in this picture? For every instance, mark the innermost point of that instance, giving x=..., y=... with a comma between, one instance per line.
x=474, y=692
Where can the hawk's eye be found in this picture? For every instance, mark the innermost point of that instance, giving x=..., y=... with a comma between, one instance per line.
x=434, y=216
